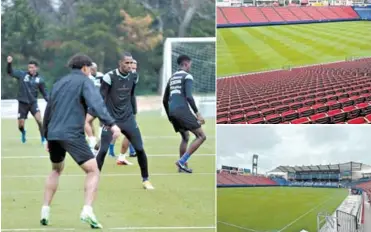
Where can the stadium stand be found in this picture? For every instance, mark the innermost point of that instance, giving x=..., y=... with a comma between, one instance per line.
x=251, y=16
x=366, y=187
x=228, y=179
x=329, y=94
x=329, y=176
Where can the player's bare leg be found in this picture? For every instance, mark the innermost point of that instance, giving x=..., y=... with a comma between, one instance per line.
x=51, y=186
x=121, y=160
x=91, y=186
x=183, y=145
x=22, y=130
x=89, y=130
x=39, y=122
x=196, y=143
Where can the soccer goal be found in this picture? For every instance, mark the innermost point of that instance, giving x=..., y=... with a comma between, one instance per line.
x=202, y=52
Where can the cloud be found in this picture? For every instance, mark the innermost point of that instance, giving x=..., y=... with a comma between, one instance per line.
x=292, y=145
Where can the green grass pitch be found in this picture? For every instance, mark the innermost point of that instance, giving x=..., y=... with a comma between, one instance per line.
x=252, y=49
x=179, y=200
x=272, y=209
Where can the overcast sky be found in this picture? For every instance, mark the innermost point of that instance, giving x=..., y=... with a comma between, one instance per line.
x=292, y=145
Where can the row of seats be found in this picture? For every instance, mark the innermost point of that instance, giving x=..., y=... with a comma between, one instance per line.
x=246, y=15
x=366, y=186
x=225, y=178
x=329, y=93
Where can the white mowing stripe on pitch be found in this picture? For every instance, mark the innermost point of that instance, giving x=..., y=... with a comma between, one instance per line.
x=123, y=228
x=111, y=175
x=45, y=156
x=236, y=226
x=305, y=214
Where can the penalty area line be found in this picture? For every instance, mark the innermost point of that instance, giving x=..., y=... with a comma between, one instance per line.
x=45, y=156
x=122, y=228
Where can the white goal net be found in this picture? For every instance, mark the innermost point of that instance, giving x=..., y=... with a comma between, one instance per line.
x=202, y=52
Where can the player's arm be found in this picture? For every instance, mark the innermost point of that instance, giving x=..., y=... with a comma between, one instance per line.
x=14, y=73
x=165, y=100
x=188, y=92
x=105, y=86
x=46, y=119
x=95, y=102
x=133, y=97
x=43, y=89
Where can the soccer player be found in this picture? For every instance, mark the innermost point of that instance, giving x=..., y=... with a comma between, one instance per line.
x=178, y=95
x=64, y=129
x=30, y=83
x=118, y=91
x=96, y=78
x=125, y=142
x=121, y=160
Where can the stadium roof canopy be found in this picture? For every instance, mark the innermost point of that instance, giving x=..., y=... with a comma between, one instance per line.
x=350, y=166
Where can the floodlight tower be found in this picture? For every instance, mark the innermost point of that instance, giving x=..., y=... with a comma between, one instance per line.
x=255, y=164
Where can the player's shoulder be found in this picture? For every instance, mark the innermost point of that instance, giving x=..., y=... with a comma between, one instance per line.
x=99, y=74
x=135, y=76
x=108, y=76
x=184, y=74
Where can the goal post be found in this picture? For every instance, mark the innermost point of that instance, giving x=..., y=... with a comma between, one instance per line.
x=202, y=52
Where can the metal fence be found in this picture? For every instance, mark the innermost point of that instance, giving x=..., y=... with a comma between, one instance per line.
x=346, y=222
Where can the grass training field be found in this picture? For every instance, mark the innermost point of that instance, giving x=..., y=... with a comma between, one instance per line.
x=179, y=200
x=274, y=209
x=251, y=49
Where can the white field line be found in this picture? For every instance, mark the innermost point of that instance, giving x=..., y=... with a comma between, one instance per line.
x=108, y=175
x=46, y=156
x=303, y=215
x=236, y=226
x=144, y=137
x=122, y=228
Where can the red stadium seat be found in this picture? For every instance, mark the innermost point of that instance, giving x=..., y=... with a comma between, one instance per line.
x=269, y=111
x=273, y=119
x=359, y=120
x=222, y=121
x=253, y=115
x=281, y=109
x=320, y=118
x=296, y=105
x=320, y=108
x=351, y=111
x=365, y=108
x=306, y=112
x=290, y=115
x=337, y=116
x=250, y=109
x=333, y=105
x=237, y=118
x=301, y=121
x=256, y=121
x=368, y=118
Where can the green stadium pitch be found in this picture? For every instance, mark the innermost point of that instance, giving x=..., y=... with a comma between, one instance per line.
x=180, y=202
x=274, y=209
x=253, y=49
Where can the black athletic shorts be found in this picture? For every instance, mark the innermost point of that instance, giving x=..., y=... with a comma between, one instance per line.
x=24, y=108
x=77, y=148
x=183, y=120
x=92, y=112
